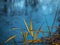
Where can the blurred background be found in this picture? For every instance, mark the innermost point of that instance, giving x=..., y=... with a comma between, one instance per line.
x=42, y=12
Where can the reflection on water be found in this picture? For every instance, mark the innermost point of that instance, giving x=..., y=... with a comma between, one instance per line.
x=11, y=12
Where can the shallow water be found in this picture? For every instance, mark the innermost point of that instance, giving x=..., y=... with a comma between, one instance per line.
x=13, y=18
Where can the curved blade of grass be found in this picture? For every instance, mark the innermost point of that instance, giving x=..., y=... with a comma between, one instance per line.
x=10, y=38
